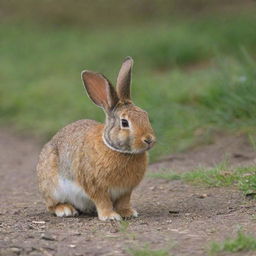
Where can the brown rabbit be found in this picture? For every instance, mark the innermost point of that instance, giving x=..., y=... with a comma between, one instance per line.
x=89, y=164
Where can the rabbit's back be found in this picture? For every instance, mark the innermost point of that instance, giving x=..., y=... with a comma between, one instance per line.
x=59, y=154
x=70, y=142
x=73, y=134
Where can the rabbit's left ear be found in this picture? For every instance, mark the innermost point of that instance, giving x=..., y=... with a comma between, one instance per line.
x=124, y=79
x=100, y=90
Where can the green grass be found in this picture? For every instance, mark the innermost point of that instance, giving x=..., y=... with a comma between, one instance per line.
x=241, y=243
x=41, y=90
x=247, y=182
x=123, y=226
x=147, y=252
x=244, y=177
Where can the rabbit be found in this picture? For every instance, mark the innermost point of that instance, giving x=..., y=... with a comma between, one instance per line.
x=90, y=166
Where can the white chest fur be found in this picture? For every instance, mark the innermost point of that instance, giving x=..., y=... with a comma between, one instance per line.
x=69, y=192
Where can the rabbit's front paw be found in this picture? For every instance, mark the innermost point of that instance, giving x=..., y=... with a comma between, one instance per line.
x=128, y=213
x=65, y=210
x=110, y=216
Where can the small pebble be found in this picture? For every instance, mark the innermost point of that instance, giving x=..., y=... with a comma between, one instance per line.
x=47, y=237
x=173, y=211
x=16, y=250
x=202, y=196
x=38, y=222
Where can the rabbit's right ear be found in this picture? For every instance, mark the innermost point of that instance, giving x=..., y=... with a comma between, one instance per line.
x=100, y=90
x=124, y=77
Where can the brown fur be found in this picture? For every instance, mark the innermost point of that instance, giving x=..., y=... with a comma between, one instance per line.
x=79, y=155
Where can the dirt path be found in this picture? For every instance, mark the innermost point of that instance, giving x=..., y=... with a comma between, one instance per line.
x=173, y=215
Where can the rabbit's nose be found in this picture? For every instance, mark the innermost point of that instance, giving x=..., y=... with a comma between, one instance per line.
x=148, y=140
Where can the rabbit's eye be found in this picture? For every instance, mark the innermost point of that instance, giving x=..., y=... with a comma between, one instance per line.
x=124, y=123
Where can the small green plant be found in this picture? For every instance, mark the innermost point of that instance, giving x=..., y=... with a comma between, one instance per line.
x=123, y=226
x=242, y=242
x=147, y=252
x=247, y=180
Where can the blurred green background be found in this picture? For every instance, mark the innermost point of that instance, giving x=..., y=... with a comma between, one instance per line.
x=194, y=64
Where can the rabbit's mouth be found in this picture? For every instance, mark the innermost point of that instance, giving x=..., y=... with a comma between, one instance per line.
x=147, y=148
x=126, y=151
x=150, y=146
x=142, y=150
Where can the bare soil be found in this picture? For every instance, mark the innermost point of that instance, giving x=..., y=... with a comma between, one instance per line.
x=176, y=216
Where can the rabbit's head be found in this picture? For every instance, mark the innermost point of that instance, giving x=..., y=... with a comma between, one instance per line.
x=127, y=127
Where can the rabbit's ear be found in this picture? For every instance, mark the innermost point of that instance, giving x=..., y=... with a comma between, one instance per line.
x=100, y=90
x=124, y=79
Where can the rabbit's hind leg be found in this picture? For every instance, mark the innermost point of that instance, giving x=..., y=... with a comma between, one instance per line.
x=64, y=210
x=48, y=178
